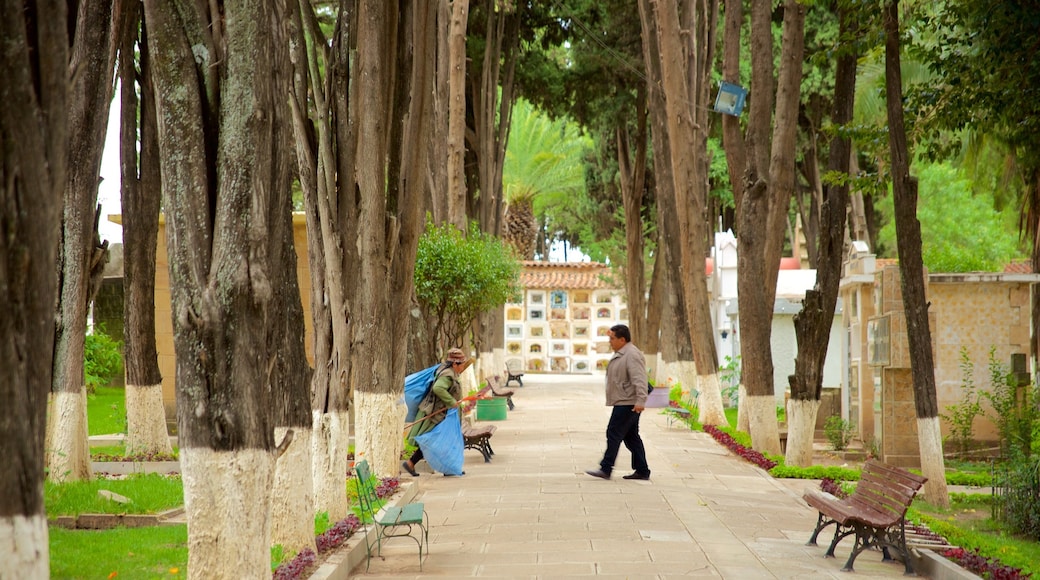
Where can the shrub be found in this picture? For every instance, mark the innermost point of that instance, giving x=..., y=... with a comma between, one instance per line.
x=729, y=377
x=1014, y=407
x=962, y=415
x=838, y=431
x=102, y=359
x=1018, y=480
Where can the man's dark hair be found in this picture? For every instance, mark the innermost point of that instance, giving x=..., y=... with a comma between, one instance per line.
x=621, y=331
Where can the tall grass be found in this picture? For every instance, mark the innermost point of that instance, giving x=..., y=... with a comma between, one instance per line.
x=149, y=493
x=145, y=553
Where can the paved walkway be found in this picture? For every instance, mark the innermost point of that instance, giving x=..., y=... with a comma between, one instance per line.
x=534, y=513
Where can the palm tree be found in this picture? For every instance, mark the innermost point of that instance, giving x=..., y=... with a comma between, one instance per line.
x=543, y=168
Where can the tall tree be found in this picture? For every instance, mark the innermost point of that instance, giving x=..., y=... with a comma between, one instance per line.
x=83, y=258
x=685, y=99
x=543, y=165
x=33, y=133
x=494, y=43
x=140, y=194
x=911, y=270
x=219, y=76
x=762, y=198
x=392, y=72
x=325, y=157
x=814, y=322
x=985, y=57
x=362, y=157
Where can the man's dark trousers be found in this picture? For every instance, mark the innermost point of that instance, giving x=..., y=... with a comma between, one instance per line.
x=624, y=427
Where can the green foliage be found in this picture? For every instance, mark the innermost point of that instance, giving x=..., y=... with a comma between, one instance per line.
x=961, y=231
x=984, y=56
x=962, y=415
x=968, y=478
x=149, y=493
x=103, y=359
x=321, y=519
x=543, y=158
x=150, y=552
x=815, y=472
x=1015, y=410
x=729, y=377
x=838, y=431
x=1017, y=553
x=1019, y=481
x=458, y=277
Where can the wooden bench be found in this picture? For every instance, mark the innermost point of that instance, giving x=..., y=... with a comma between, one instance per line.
x=479, y=438
x=500, y=391
x=875, y=512
x=514, y=374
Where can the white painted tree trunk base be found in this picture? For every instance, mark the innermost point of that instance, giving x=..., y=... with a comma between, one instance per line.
x=378, y=431
x=933, y=464
x=765, y=436
x=801, y=430
x=67, y=443
x=331, y=442
x=709, y=400
x=292, y=504
x=743, y=419
x=23, y=543
x=227, y=501
x=146, y=420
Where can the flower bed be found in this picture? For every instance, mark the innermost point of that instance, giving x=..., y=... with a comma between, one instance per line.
x=330, y=539
x=745, y=452
x=990, y=568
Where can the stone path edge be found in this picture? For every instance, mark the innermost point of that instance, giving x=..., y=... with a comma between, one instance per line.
x=353, y=552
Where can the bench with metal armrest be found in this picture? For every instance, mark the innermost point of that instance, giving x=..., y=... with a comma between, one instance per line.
x=875, y=513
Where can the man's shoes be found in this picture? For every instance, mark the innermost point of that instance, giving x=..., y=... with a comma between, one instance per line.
x=412, y=471
x=637, y=475
x=598, y=473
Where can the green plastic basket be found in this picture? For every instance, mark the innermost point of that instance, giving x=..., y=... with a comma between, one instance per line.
x=492, y=409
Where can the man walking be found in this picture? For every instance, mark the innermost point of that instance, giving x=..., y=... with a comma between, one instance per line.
x=626, y=392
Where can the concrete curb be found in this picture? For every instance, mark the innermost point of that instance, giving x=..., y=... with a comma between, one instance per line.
x=934, y=566
x=347, y=557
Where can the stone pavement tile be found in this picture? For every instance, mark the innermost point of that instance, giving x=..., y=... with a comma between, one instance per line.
x=532, y=512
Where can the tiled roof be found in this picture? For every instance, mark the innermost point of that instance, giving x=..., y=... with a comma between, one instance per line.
x=1019, y=267
x=564, y=275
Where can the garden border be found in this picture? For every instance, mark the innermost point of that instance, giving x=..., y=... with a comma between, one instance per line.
x=339, y=564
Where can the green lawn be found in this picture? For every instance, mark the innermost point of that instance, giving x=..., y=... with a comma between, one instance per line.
x=149, y=494
x=106, y=411
x=145, y=553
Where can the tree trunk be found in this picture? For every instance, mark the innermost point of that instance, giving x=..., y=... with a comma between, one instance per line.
x=140, y=192
x=219, y=80
x=911, y=270
x=93, y=59
x=632, y=175
x=325, y=155
x=292, y=508
x=665, y=307
x=492, y=96
x=813, y=324
x=688, y=173
x=457, y=114
x=292, y=505
x=762, y=210
x=32, y=178
x=392, y=217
